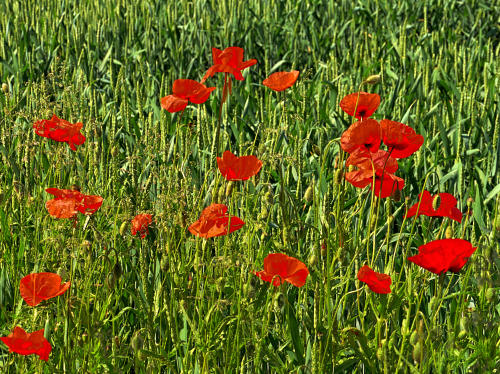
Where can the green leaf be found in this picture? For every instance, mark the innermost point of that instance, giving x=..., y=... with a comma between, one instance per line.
x=293, y=329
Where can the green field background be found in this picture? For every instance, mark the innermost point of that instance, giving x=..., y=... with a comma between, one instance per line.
x=176, y=303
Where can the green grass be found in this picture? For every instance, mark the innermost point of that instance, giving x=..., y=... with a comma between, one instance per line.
x=184, y=304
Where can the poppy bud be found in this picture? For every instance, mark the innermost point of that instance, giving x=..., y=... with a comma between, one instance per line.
x=110, y=281
x=339, y=174
x=114, y=151
x=312, y=260
x=405, y=327
x=229, y=188
x=396, y=195
x=418, y=352
x=413, y=338
x=435, y=202
x=308, y=195
x=420, y=330
x=490, y=295
x=268, y=197
x=448, y=233
x=5, y=88
x=164, y=263
x=470, y=200
x=372, y=79
x=316, y=150
x=123, y=227
x=117, y=271
x=279, y=300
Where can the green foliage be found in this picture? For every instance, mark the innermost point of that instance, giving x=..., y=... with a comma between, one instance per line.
x=183, y=304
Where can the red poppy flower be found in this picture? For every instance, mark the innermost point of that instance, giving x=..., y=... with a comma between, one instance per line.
x=140, y=224
x=19, y=341
x=401, y=139
x=67, y=203
x=367, y=104
x=60, y=130
x=185, y=90
x=279, y=268
x=447, y=206
x=281, y=80
x=364, y=135
x=443, y=255
x=230, y=60
x=235, y=168
x=37, y=287
x=214, y=221
x=377, y=282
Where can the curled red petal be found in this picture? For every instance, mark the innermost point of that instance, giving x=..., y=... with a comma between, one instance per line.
x=362, y=134
x=377, y=282
x=281, y=80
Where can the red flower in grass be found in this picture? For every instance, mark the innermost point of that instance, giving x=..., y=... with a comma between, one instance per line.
x=67, y=203
x=140, y=224
x=443, y=255
x=214, y=221
x=235, y=168
x=281, y=80
x=230, y=60
x=60, y=130
x=367, y=104
x=37, y=287
x=185, y=90
x=279, y=268
x=379, y=162
x=401, y=139
x=364, y=135
x=447, y=206
x=19, y=341
x=377, y=282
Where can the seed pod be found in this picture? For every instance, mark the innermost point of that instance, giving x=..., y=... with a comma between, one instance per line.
x=308, y=195
x=405, y=327
x=470, y=200
x=372, y=79
x=413, y=337
x=436, y=202
x=123, y=227
x=5, y=88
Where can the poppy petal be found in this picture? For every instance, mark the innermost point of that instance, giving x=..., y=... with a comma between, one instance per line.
x=214, y=221
x=36, y=287
x=140, y=224
x=377, y=282
x=19, y=341
x=281, y=80
x=365, y=106
x=400, y=138
x=235, y=168
x=278, y=267
x=173, y=103
x=362, y=134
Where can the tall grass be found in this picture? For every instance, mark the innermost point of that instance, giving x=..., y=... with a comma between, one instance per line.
x=176, y=303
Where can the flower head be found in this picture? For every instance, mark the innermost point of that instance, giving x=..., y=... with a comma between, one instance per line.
x=60, y=130
x=140, y=224
x=183, y=91
x=281, y=80
x=214, y=221
x=377, y=282
x=230, y=60
x=447, y=206
x=279, y=268
x=37, y=287
x=19, y=341
x=401, y=139
x=235, y=168
x=440, y=256
x=67, y=203
x=364, y=135
x=367, y=104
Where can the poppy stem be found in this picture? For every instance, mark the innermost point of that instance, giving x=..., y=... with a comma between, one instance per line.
x=219, y=119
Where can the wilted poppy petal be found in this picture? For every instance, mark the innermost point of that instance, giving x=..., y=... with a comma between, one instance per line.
x=37, y=287
x=173, y=103
x=19, y=341
x=281, y=80
x=364, y=135
x=279, y=267
x=367, y=104
x=214, y=221
x=235, y=168
x=400, y=138
x=140, y=224
x=443, y=255
x=377, y=282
